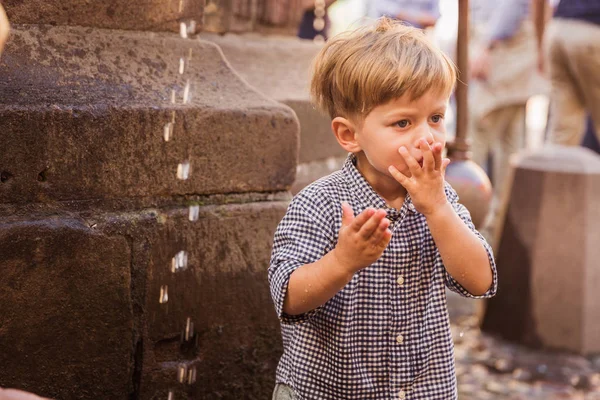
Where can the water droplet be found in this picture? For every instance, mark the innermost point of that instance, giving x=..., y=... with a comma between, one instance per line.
x=181, y=66
x=164, y=294
x=183, y=171
x=181, y=373
x=180, y=261
x=190, y=55
x=186, y=93
x=173, y=96
x=171, y=395
x=168, y=131
x=191, y=376
x=189, y=329
x=194, y=211
x=180, y=5
x=191, y=28
x=183, y=30
x=461, y=334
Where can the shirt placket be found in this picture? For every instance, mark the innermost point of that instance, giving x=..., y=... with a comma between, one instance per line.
x=400, y=359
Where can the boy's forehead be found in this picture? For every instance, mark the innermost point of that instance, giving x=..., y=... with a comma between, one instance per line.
x=406, y=101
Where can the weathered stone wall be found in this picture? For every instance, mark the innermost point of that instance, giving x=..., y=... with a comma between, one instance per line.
x=121, y=281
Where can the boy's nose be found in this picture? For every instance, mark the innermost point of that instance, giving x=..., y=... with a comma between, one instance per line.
x=424, y=133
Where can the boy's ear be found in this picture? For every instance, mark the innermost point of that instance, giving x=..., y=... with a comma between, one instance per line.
x=345, y=133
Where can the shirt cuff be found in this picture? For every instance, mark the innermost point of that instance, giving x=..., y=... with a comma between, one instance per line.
x=279, y=286
x=491, y=292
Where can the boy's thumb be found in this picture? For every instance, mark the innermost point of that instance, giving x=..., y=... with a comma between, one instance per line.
x=347, y=214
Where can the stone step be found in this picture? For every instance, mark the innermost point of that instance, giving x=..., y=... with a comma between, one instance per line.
x=83, y=115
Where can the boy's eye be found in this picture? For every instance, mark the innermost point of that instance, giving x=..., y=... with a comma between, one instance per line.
x=436, y=118
x=402, y=123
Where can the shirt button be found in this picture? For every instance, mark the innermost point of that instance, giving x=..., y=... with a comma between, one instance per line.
x=402, y=395
x=400, y=339
x=400, y=280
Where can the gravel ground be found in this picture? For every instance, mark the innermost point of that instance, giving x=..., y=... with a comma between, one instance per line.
x=491, y=368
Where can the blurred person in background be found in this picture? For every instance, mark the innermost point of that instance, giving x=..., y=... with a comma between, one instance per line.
x=569, y=53
x=307, y=28
x=503, y=71
x=590, y=140
x=418, y=13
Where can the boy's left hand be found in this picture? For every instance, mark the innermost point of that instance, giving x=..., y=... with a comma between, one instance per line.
x=426, y=183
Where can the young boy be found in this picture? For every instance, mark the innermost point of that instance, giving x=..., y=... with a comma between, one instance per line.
x=362, y=257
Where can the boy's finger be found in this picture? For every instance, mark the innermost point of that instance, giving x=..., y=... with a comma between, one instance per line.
x=437, y=155
x=385, y=240
x=410, y=161
x=362, y=218
x=378, y=234
x=367, y=230
x=445, y=164
x=347, y=214
x=398, y=176
x=428, y=159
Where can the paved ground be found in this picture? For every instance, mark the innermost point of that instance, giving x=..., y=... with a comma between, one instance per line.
x=490, y=368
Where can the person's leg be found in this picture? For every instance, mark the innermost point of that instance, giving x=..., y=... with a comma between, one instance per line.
x=567, y=113
x=481, y=137
x=510, y=141
x=590, y=140
x=583, y=57
x=506, y=127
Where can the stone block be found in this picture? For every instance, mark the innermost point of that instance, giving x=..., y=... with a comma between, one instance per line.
x=66, y=320
x=147, y=15
x=548, y=255
x=279, y=67
x=101, y=304
x=84, y=113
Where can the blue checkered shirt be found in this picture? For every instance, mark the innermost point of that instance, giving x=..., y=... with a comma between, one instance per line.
x=386, y=334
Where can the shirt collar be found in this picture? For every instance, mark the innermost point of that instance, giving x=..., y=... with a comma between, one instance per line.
x=365, y=196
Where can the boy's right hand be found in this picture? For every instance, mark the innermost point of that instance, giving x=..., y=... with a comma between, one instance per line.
x=362, y=239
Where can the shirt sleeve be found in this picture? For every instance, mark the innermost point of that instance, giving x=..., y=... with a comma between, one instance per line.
x=303, y=236
x=452, y=283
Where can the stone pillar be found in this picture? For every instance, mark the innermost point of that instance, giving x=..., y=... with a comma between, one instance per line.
x=548, y=256
x=140, y=184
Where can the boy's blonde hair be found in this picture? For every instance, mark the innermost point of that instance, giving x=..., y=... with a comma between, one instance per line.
x=359, y=70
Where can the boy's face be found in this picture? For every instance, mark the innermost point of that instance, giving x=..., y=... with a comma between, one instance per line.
x=400, y=122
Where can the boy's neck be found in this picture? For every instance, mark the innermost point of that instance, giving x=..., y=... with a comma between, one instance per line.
x=385, y=186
